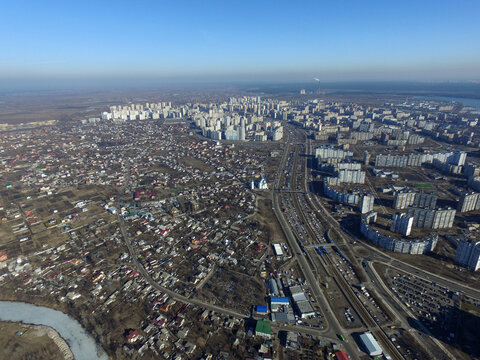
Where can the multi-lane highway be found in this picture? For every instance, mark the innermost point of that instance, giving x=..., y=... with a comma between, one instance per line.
x=299, y=183
x=333, y=324
x=432, y=346
x=292, y=190
x=324, y=333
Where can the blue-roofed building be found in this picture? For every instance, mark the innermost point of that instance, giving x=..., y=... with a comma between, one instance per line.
x=262, y=309
x=279, y=300
x=276, y=302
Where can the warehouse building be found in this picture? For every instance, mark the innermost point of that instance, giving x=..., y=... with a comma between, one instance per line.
x=277, y=249
x=276, y=302
x=263, y=329
x=272, y=287
x=261, y=309
x=302, y=305
x=304, y=309
x=285, y=317
x=341, y=355
x=370, y=344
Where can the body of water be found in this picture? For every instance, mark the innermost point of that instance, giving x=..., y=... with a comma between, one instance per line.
x=81, y=343
x=474, y=103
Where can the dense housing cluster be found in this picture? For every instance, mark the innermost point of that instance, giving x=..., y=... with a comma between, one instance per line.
x=180, y=231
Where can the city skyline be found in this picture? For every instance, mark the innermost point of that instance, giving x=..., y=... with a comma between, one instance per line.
x=240, y=180
x=281, y=41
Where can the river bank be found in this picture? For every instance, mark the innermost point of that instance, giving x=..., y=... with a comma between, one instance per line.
x=30, y=341
x=68, y=333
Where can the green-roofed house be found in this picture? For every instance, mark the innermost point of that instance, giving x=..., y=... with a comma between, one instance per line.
x=263, y=329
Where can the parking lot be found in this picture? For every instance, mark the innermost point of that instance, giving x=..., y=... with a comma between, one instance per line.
x=448, y=315
x=433, y=304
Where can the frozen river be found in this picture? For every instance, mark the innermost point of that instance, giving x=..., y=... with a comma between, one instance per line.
x=81, y=343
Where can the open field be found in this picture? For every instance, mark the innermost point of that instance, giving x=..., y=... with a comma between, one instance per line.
x=233, y=289
x=33, y=106
x=267, y=218
x=33, y=344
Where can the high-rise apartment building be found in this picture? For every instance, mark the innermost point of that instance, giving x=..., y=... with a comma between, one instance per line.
x=367, y=203
x=401, y=224
x=469, y=202
x=468, y=254
x=242, y=130
x=366, y=158
x=432, y=219
x=422, y=200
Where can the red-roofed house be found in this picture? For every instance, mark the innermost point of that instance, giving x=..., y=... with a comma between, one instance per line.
x=341, y=355
x=132, y=336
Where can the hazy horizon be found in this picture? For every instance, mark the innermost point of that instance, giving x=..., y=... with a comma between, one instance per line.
x=120, y=44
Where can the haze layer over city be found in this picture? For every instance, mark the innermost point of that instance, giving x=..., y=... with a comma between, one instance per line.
x=249, y=180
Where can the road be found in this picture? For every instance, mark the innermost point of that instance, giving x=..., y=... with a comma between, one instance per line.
x=436, y=347
x=203, y=304
x=192, y=301
x=139, y=267
x=334, y=326
x=383, y=257
x=365, y=316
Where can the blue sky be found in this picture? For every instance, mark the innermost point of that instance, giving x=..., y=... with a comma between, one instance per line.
x=263, y=39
